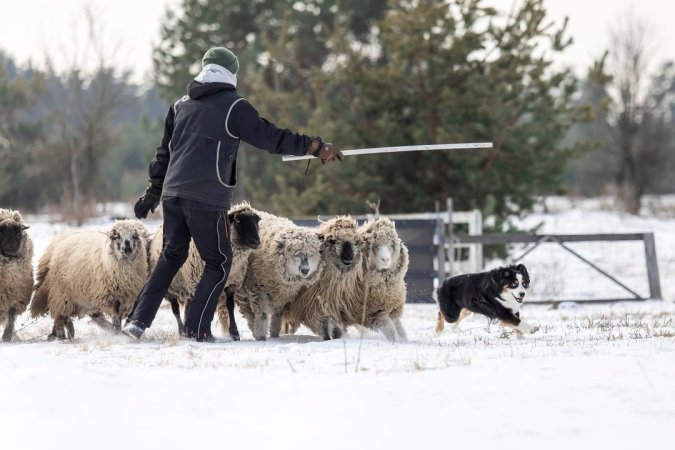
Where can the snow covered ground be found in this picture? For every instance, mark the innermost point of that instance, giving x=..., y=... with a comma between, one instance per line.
x=594, y=376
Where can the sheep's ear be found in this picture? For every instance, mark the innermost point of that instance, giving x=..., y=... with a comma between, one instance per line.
x=24, y=227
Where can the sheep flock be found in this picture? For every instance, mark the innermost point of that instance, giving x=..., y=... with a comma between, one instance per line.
x=328, y=278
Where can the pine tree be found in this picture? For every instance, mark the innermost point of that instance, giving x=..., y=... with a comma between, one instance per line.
x=20, y=135
x=463, y=73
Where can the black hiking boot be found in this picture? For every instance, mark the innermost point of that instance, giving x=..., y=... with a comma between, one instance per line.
x=133, y=329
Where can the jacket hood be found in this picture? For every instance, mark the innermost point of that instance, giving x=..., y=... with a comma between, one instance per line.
x=197, y=90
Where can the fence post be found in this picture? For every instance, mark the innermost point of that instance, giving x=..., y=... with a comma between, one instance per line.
x=440, y=243
x=450, y=238
x=652, y=266
x=478, y=217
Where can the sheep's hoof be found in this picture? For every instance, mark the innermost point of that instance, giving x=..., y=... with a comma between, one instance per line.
x=235, y=337
x=6, y=338
x=260, y=338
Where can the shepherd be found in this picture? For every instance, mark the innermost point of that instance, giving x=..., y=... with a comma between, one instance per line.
x=193, y=174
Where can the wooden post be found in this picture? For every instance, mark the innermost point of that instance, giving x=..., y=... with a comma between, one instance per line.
x=450, y=238
x=652, y=266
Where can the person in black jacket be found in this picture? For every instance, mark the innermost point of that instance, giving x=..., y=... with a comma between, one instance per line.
x=193, y=173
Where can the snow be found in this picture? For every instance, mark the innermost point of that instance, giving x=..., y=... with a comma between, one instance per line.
x=596, y=375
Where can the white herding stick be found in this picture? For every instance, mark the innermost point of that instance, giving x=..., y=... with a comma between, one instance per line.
x=408, y=148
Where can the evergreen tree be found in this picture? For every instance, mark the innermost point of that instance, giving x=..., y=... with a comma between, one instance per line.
x=463, y=73
x=20, y=136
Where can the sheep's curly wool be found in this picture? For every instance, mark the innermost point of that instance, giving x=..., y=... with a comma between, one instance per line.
x=385, y=289
x=85, y=272
x=340, y=288
x=16, y=275
x=273, y=279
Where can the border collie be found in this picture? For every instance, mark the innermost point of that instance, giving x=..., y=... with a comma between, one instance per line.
x=497, y=294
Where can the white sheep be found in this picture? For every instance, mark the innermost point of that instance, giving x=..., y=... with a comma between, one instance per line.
x=90, y=273
x=386, y=263
x=243, y=226
x=16, y=269
x=320, y=306
x=288, y=259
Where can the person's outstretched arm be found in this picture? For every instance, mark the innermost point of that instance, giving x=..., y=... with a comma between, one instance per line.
x=245, y=123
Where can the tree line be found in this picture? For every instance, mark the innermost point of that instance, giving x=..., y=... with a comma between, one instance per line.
x=361, y=74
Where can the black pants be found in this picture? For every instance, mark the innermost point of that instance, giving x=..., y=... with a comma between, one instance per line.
x=184, y=219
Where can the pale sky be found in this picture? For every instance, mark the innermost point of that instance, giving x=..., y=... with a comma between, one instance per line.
x=31, y=28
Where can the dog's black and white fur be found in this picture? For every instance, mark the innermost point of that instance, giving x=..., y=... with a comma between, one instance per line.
x=497, y=294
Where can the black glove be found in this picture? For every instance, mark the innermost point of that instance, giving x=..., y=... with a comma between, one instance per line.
x=147, y=202
x=325, y=151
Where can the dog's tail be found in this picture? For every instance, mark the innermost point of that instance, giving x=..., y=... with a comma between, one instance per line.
x=440, y=323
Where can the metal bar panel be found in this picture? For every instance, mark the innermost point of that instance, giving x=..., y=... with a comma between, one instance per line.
x=637, y=296
x=496, y=239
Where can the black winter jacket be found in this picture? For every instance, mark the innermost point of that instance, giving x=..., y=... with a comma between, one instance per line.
x=197, y=158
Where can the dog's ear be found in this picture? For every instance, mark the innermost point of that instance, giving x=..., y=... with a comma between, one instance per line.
x=505, y=273
x=523, y=270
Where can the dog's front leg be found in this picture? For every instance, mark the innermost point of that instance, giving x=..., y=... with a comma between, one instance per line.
x=522, y=327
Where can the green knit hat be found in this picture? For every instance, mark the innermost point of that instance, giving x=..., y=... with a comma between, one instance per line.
x=223, y=57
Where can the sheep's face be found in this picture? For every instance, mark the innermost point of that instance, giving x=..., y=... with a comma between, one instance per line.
x=380, y=257
x=302, y=265
x=125, y=242
x=342, y=249
x=11, y=237
x=383, y=245
x=301, y=256
x=246, y=232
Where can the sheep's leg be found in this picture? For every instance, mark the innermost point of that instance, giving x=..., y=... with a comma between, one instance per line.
x=325, y=328
x=388, y=328
x=117, y=319
x=175, y=309
x=70, y=329
x=402, y=336
x=335, y=329
x=58, y=330
x=9, y=326
x=100, y=320
x=260, y=326
x=233, y=330
x=275, y=323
